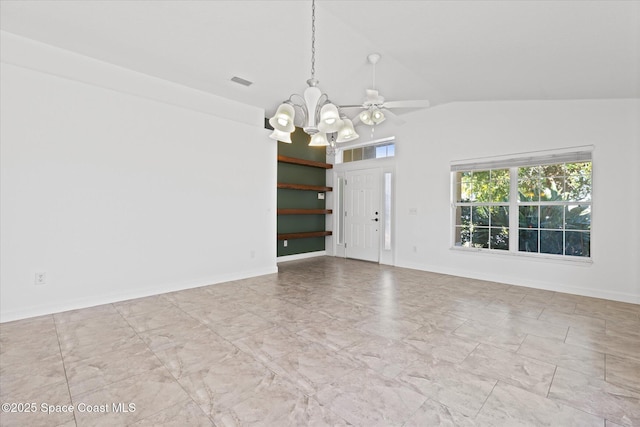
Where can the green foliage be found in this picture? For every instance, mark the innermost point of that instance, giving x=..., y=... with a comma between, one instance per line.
x=484, y=186
x=543, y=228
x=564, y=181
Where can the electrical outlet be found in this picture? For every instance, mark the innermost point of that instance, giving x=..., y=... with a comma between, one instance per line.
x=320, y=196
x=41, y=278
x=286, y=243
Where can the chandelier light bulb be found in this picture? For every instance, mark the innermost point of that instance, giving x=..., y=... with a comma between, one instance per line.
x=318, y=140
x=281, y=136
x=329, y=119
x=283, y=119
x=347, y=132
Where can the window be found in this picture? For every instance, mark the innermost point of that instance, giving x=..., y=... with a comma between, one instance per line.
x=482, y=214
x=554, y=203
x=536, y=205
x=368, y=152
x=387, y=211
x=340, y=209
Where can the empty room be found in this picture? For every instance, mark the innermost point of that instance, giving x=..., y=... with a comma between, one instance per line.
x=319, y=213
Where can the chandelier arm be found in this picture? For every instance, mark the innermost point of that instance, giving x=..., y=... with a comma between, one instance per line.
x=322, y=101
x=298, y=101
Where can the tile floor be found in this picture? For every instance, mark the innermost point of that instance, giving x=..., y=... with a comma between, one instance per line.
x=329, y=341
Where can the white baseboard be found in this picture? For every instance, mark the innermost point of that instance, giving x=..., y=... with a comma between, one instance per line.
x=574, y=290
x=305, y=255
x=45, y=309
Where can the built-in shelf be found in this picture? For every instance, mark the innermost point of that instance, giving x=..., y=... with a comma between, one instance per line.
x=304, y=162
x=304, y=211
x=291, y=236
x=304, y=187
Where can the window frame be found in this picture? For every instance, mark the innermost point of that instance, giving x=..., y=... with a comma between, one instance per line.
x=357, y=151
x=513, y=163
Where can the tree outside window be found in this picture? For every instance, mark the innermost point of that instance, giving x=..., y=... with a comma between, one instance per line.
x=552, y=202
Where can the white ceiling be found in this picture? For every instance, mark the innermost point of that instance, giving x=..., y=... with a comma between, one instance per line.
x=444, y=51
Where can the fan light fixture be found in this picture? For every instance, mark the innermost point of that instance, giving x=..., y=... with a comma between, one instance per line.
x=320, y=117
x=372, y=116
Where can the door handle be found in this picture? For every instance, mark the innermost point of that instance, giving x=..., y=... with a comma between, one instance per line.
x=374, y=219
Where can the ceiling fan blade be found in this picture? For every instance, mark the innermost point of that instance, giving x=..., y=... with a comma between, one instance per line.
x=350, y=106
x=393, y=117
x=423, y=103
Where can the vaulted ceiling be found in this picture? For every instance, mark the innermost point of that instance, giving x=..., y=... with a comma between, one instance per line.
x=444, y=51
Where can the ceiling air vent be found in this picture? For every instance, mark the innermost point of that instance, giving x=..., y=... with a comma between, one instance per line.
x=241, y=81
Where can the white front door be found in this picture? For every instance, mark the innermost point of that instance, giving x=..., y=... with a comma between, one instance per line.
x=362, y=214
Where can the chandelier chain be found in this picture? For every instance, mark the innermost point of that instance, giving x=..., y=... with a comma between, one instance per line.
x=313, y=39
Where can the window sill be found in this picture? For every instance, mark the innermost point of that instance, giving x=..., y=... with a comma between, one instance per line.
x=563, y=259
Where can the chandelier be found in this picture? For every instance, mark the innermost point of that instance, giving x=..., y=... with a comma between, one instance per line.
x=321, y=118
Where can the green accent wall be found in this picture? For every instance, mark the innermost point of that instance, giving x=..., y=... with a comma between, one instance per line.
x=301, y=199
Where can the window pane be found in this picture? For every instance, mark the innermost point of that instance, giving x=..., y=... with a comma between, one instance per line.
x=528, y=217
x=552, y=182
x=463, y=215
x=391, y=150
x=552, y=188
x=529, y=190
x=529, y=173
x=500, y=238
x=578, y=217
x=463, y=236
x=466, y=191
x=480, y=186
x=500, y=185
x=528, y=241
x=578, y=169
x=340, y=210
x=357, y=154
x=499, y=216
x=480, y=215
x=480, y=237
x=381, y=151
x=551, y=216
x=369, y=152
x=577, y=243
x=387, y=210
x=552, y=170
x=578, y=182
x=347, y=156
x=551, y=242
x=464, y=187
x=577, y=189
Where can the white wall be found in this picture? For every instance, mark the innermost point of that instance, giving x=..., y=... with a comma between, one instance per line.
x=120, y=185
x=431, y=139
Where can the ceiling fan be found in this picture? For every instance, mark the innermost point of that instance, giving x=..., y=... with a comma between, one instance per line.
x=375, y=108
